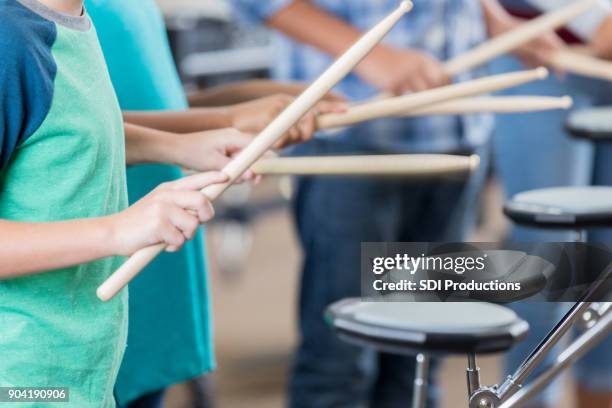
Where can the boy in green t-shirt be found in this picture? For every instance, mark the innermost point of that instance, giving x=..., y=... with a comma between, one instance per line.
x=63, y=201
x=63, y=205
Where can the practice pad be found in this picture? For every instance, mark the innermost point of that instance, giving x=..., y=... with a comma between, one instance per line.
x=594, y=123
x=437, y=317
x=446, y=328
x=563, y=207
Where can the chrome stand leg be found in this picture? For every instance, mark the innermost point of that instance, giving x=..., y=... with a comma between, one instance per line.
x=513, y=383
x=594, y=314
x=419, y=397
x=473, y=375
x=577, y=349
x=479, y=396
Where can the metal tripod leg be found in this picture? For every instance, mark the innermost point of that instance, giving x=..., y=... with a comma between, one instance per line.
x=577, y=349
x=513, y=382
x=419, y=397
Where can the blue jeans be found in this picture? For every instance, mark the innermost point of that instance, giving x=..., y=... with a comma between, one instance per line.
x=333, y=216
x=533, y=151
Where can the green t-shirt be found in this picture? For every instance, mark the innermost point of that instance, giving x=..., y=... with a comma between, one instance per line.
x=61, y=157
x=170, y=337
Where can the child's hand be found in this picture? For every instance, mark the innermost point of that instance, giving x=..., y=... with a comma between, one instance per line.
x=209, y=150
x=399, y=71
x=253, y=117
x=170, y=214
x=541, y=51
x=537, y=52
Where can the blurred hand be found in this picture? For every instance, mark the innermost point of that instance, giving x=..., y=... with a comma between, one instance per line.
x=536, y=53
x=254, y=116
x=602, y=41
x=541, y=51
x=170, y=214
x=400, y=71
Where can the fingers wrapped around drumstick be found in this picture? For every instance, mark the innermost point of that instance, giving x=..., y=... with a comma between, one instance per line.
x=517, y=37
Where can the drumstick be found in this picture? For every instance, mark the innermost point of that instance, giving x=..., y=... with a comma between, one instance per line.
x=581, y=64
x=495, y=104
x=407, y=165
x=266, y=139
x=403, y=104
x=515, y=38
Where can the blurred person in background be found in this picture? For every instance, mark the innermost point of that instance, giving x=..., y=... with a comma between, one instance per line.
x=169, y=336
x=334, y=216
x=170, y=326
x=535, y=151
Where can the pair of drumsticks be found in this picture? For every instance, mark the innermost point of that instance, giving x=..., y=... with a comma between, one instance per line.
x=447, y=98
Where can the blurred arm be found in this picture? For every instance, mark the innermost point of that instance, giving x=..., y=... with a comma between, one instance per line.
x=244, y=91
x=192, y=120
x=386, y=68
x=332, y=35
x=586, y=25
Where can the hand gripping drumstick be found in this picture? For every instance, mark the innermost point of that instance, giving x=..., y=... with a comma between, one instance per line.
x=495, y=104
x=515, y=38
x=266, y=139
x=582, y=64
x=511, y=40
x=406, y=165
x=401, y=105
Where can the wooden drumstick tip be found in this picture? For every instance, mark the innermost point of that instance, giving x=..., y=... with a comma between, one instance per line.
x=567, y=102
x=542, y=72
x=406, y=6
x=474, y=162
x=103, y=295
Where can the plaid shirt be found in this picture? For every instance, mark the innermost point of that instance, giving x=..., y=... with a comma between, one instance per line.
x=444, y=28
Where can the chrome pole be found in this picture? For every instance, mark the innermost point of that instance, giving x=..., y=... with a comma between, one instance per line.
x=473, y=374
x=419, y=397
x=577, y=349
x=513, y=383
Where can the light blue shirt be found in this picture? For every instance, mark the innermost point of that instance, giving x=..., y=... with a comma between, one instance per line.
x=170, y=327
x=444, y=28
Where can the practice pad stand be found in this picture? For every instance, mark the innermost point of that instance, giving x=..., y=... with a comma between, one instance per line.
x=596, y=316
x=421, y=381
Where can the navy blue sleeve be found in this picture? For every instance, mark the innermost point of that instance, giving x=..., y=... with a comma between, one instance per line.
x=27, y=73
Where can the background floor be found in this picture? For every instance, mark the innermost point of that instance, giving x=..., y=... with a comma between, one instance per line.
x=255, y=325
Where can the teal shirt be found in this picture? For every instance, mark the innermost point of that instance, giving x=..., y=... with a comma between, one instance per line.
x=63, y=158
x=170, y=337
